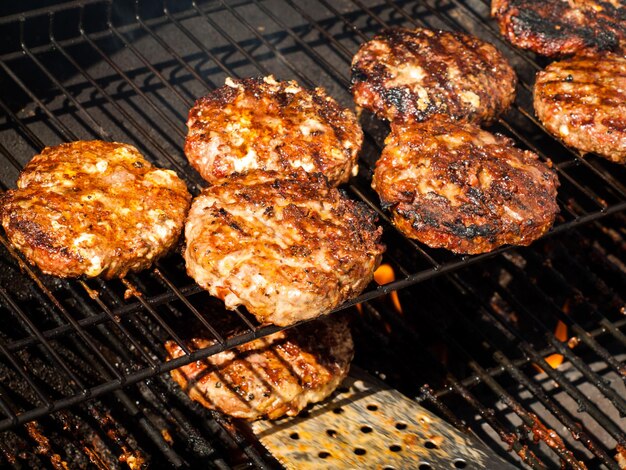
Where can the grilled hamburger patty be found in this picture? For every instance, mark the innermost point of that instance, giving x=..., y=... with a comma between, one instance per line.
x=402, y=73
x=583, y=102
x=93, y=207
x=287, y=247
x=453, y=185
x=263, y=124
x=273, y=376
x=562, y=27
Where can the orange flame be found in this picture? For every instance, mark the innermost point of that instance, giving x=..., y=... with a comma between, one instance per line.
x=384, y=275
x=560, y=333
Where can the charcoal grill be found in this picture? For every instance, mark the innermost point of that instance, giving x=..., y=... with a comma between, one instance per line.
x=475, y=341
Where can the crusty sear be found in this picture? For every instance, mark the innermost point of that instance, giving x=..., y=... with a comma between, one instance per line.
x=582, y=101
x=450, y=184
x=94, y=208
x=403, y=73
x=287, y=247
x=273, y=376
x=556, y=28
x=264, y=124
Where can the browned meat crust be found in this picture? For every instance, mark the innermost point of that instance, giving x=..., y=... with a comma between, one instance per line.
x=262, y=124
x=562, y=27
x=450, y=184
x=272, y=376
x=93, y=207
x=287, y=247
x=583, y=102
x=403, y=73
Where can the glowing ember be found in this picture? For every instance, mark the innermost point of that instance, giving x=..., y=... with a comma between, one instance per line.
x=560, y=333
x=384, y=275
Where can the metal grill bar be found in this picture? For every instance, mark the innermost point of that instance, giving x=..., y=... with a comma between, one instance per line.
x=145, y=321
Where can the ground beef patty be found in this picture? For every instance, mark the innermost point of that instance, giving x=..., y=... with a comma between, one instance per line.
x=263, y=124
x=287, y=247
x=583, y=102
x=272, y=376
x=93, y=207
x=450, y=184
x=562, y=27
x=418, y=73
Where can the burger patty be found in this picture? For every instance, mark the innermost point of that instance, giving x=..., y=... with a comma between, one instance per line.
x=583, y=102
x=263, y=124
x=403, y=73
x=287, y=247
x=273, y=376
x=93, y=207
x=562, y=27
x=450, y=184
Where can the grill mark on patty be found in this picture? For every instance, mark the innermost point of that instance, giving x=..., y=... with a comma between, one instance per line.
x=451, y=185
x=403, y=74
x=559, y=27
x=582, y=101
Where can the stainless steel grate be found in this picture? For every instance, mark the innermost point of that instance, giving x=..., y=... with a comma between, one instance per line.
x=129, y=71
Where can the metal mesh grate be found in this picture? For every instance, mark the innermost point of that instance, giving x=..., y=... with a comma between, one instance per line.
x=129, y=71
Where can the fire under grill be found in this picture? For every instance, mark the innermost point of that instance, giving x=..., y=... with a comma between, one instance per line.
x=526, y=348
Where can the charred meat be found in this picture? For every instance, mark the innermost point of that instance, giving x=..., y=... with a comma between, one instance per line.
x=272, y=376
x=450, y=184
x=562, y=27
x=417, y=73
x=288, y=248
x=94, y=208
x=582, y=101
x=263, y=124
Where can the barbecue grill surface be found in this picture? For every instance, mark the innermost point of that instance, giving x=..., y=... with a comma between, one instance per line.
x=476, y=329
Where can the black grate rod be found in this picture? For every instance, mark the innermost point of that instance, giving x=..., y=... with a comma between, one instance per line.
x=231, y=40
x=139, y=296
x=613, y=330
x=99, y=130
x=114, y=321
x=228, y=72
x=574, y=427
x=531, y=421
x=344, y=51
x=580, y=332
x=489, y=415
x=20, y=368
x=555, y=409
x=157, y=109
x=50, y=351
x=193, y=180
x=279, y=55
x=64, y=131
x=601, y=384
x=9, y=156
x=208, y=85
x=145, y=61
x=189, y=305
x=75, y=325
x=35, y=141
x=353, y=28
x=336, y=74
x=584, y=403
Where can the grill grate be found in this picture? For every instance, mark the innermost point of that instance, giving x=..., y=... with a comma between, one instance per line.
x=129, y=71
